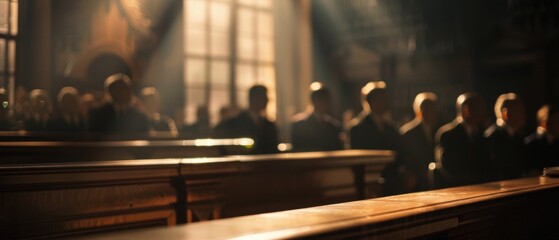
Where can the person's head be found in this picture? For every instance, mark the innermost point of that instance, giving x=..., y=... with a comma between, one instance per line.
x=4, y=104
x=425, y=108
x=471, y=108
x=151, y=99
x=510, y=109
x=321, y=99
x=119, y=89
x=203, y=114
x=376, y=97
x=40, y=102
x=68, y=100
x=258, y=98
x=548, y=118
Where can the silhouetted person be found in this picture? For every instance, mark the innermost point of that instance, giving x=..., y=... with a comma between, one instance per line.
x=118, y=115
x=158, y=122
x=69, y=118
x=505, y=138
x=6, y=122
x=22, y=105
x=201, y=128
x=315, y=129
x=252, y=123
x=461, y=149
x=40, y=111
x=228, y=112
x=543, y=145
x=418, y=137
x=372, y=129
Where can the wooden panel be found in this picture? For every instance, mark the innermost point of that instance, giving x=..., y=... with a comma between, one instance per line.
x=266, y=183
x=67, y=199
x=20, y=152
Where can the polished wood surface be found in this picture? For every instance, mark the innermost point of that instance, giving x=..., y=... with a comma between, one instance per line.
x=74, y=198
x=515, y=209
x=255, y=184
x=85, y=149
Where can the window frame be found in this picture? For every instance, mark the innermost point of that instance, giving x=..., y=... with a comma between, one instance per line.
x=232, y=58
x=11, y=69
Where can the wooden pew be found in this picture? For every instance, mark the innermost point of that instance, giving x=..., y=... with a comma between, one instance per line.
x=69, y=199
x=516, y=209
x=85, y=149
x=244, y=185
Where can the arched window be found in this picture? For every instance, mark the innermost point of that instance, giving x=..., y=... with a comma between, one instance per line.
x=229, y=46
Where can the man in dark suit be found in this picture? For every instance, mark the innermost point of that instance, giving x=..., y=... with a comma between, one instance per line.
x=68, y=118
x=505, y=138
x=543, y=145
x=118, y=115
x=6, y=121
x=460, y=145
x=158, y=122
x=315, y=129
x=252, y=123
x=41, y=111
x=201, y=128
x=418, y=137
x=372, y=129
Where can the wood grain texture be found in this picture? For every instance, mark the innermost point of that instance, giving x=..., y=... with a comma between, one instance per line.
x=68, y=199
x=514, y=209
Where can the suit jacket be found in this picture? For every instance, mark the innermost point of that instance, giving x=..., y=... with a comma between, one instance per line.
x=542, y=152
x=466, y=160
x=34, y=125
x=196, y=130
x=264, y=133
x=104, y=119
x=507, y=152
x=364, y=134
x=162, y=123
x=59, y=124
x=312, y=134
x=8, y=125
x=418, y=151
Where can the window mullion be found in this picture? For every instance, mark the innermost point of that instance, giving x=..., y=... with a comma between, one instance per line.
x=207, y=90
x=233, y=53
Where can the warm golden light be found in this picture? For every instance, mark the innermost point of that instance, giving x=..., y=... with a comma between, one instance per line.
x=372, y=85
x=316, y=86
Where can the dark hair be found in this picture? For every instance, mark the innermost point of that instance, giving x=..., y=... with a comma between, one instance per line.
x=257, y=90
x=546, y=111
x=320, y=94
x=466, y=100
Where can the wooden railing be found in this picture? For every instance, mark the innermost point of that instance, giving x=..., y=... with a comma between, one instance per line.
x=33, y=150
x=70, y=199
x=516, y=209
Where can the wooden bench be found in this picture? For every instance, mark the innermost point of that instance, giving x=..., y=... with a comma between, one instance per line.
x=515, y=209
x=76, y=198
x=85, y=149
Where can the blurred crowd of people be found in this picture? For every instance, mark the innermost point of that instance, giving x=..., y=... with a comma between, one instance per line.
x=464, y=151
x=117, y=111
